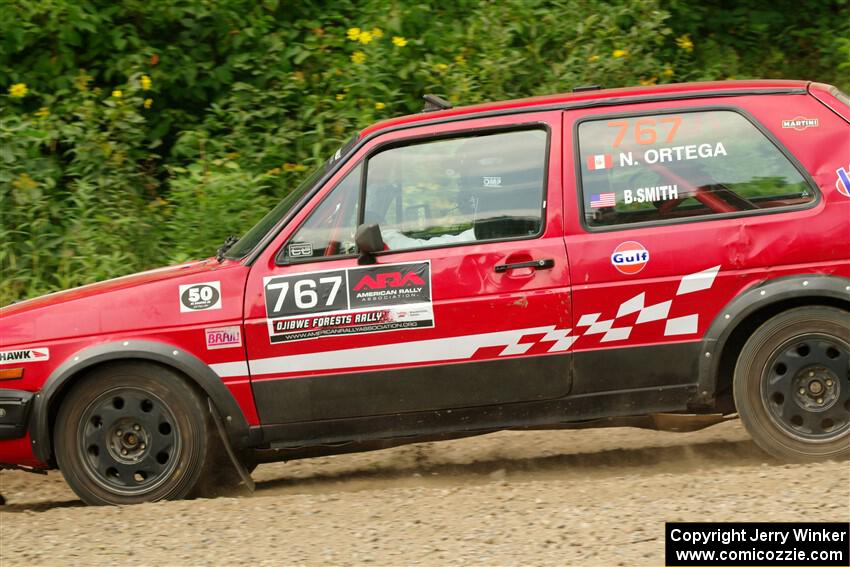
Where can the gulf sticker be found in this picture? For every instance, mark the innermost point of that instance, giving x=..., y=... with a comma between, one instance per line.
x=630, y=257
x=843, y=181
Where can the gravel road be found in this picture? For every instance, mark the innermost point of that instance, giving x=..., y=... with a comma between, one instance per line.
x=591, y=497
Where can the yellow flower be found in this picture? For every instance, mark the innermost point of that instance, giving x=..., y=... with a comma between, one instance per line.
x=684, y=42
x=440, y=67
x=649, y=81
x=365, y=37
x=353, y=33
x=340, y=96
x=592, y=58
x=117, y=93
x=147, y=102
x=145, y=81
x=81, y=81
x=25, y=182
x=43, y=112
x=377, y=33
x=18, y=90
x=667, y=72
x=399, y=41
x=620, y=53
x=273, y=171
x=294, y=167
x=380, y=106
x=460, y=59
x=358, y=57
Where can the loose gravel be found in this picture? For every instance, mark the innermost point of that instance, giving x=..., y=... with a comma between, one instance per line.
x=589, y=497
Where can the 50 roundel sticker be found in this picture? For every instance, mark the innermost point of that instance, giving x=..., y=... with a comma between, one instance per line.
x=200, y=296
x=630, y=257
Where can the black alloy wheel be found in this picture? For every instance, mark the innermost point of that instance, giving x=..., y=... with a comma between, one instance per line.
x=792, y=384
x=128, y=441
x=133, y=432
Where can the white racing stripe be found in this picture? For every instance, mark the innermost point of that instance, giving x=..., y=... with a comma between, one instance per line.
x=230, y=369
x=433, y=350
x=465, y=347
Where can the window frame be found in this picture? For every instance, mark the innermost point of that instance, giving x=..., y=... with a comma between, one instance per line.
x=577, y=165
x=281, y=260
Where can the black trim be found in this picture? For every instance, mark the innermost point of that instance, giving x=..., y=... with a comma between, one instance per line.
x=764, y=294
x=427, y=138
x=635, y=367
x=15, y=406
x=472, y=421
x=269, y=237
x=699, y=218
x=420, y=388
x=188, y=364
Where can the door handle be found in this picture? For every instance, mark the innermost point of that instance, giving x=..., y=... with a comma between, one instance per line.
x=546, y=264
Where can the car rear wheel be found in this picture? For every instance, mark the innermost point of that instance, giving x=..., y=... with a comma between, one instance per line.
x=792, y=384
x=130, y=433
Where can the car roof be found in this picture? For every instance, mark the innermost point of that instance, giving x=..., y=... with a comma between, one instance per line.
x=596, y=97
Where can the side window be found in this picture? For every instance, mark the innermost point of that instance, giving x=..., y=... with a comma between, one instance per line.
x=329, y=230
x=671, y=166
x=458, y=190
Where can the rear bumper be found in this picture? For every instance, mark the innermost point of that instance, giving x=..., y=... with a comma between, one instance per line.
x=15, y=408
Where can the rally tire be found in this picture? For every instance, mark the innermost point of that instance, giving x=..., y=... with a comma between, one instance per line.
x=133, y=432
x=792, y=384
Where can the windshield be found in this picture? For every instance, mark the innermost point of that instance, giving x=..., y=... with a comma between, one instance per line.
x=251, y=238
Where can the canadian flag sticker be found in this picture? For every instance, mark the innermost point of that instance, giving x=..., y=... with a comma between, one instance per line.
x=599, y=161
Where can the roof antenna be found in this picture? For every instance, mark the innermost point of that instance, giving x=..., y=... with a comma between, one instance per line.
x=434, y=102
x=585, y=88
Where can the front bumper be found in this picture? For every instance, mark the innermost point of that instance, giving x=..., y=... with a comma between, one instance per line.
x=14, y=413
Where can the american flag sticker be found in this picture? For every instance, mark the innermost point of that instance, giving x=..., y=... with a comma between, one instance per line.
x=599, y=161
x=599, y=200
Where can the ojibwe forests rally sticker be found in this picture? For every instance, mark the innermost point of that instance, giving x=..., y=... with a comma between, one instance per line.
x=367, y=299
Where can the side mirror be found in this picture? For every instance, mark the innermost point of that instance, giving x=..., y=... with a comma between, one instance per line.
x=368, y=240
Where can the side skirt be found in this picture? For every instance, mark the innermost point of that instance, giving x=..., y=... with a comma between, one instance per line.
x=306, y=437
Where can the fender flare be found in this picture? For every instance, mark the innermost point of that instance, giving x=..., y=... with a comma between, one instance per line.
x=759, y=296
x=168, y=355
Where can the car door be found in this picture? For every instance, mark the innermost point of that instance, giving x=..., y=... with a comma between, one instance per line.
x=465, y=307
x=675, y=208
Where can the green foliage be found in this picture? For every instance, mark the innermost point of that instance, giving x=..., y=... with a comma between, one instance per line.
x=138, y=133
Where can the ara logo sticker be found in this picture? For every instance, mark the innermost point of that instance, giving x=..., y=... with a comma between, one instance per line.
x=389, y=279
x=630, y=257
x=24, y=355
x=331, y=303
x=200, y=296
x=223, y=337
x=843, y=181
x=800, y=123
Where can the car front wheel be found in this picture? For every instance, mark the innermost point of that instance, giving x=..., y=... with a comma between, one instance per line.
x=132, y=432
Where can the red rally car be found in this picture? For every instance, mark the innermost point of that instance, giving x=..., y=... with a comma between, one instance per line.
x=664, y=256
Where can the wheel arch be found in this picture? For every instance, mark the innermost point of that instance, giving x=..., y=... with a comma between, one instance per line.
x=46, y=402
x=744, y=314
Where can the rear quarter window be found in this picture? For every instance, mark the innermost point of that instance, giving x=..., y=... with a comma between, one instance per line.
x=666, y=167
